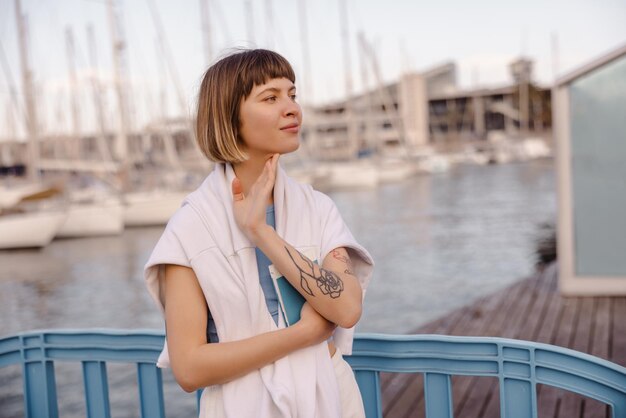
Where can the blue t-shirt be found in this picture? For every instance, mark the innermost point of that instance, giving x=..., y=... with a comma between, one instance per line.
x=263, y=263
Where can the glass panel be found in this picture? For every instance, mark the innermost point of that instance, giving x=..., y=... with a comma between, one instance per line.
x=598, y=143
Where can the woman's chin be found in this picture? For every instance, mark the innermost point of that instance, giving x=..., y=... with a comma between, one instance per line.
x=289, y=148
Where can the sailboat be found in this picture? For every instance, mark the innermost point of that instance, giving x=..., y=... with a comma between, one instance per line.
x=92, y=212
x=151, y=207
x=26, y=219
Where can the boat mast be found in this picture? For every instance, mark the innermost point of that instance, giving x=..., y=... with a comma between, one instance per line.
x=269, y=23
x=32, y=127
x=71, y=64
x=169, y=60
x=162, y=72
x=383, y=92
x=10, y=121
x=370, y=130
x=119, y=72
x=305, y=76
x=168, y=57
x=96, y=91
x=205, y=23
x=345, y=35
x=554, y=52
x=249, y=21
x=13, y=102
x=306, y=56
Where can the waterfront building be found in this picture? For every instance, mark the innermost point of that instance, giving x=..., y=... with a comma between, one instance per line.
x=589, y=109
x=428, y=109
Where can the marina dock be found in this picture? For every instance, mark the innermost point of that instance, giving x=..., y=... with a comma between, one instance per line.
x=531, y=309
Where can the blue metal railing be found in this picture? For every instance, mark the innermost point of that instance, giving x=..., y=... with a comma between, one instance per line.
x=518, y=365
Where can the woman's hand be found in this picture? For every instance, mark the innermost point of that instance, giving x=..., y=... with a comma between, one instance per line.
x=316, y=327
x=250, y=210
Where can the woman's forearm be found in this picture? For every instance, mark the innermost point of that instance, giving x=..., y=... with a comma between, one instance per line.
x=211, y=364
x=196, y=364
x=334, y=291
x=336, y=294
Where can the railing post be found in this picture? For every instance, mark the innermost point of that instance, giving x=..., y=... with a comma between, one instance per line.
x=438, y=395
x=516, y=398
x=96, y=389
x=369, y=386
x=618, y=409
x=40, y=396
x=150, y=391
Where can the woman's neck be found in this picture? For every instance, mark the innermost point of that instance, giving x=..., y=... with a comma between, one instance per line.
x=248, y=172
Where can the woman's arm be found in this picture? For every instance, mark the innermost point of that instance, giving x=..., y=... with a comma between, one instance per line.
x=196, y=364
x=332, y=290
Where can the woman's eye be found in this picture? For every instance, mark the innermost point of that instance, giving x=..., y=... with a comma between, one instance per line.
x=293, y=97
x=270, y=99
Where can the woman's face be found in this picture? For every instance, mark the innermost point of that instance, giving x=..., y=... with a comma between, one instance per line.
x=270, y=119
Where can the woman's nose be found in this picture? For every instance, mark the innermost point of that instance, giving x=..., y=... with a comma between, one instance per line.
x=292, y=108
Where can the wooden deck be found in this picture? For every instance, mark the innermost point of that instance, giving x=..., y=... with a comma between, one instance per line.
x=533, y=310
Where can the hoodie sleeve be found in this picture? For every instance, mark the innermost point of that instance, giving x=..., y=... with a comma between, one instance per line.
x=335, y=234
x=170, y=249
x=177, y=245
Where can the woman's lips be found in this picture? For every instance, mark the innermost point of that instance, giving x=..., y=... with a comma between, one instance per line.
x=293, y=128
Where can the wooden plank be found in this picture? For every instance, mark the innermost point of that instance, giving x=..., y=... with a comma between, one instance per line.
x=550, y=323
x=549, y=399
x=618, y=346
x=398, y=386
x=601, y=329
x=409, y=388
x=572, y=403
x=545, y=334
x=600, y=348
x=438, y=326
x=513, y=328
x=480, y=326
x=481, y=390
x=543, y=297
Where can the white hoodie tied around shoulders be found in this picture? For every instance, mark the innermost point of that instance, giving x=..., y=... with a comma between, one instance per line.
x=204, y=236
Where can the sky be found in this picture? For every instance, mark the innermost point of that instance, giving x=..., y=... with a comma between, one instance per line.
x=481, y=37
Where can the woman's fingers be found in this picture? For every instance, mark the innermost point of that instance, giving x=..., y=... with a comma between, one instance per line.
x=266, y=179
x=274, y=167
x=264, y=183
x=237, y=189
x=262, y=179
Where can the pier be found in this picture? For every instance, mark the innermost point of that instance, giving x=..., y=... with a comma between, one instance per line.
x=531, y=309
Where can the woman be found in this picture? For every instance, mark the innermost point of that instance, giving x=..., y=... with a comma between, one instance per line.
x=211, y=270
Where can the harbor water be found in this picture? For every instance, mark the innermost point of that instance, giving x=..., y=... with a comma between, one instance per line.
x=439, y=241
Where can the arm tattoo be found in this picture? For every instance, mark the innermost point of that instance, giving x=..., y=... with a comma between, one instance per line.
x=338, y=256
x=327, y=281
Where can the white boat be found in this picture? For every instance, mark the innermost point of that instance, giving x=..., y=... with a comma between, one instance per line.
x=95, y=218
x=352, y=174
x=435, y=163
x=11, y=196
x=428, y=160
x=533, y=148
x=151, y=208
x=472, y=156
x=29, y=229
x=390, y=170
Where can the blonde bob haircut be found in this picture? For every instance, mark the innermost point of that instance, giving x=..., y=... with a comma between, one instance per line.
x=224, y=85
